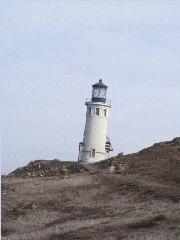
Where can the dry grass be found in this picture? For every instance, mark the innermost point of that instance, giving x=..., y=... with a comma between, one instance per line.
x=84, y=206
x=131, y=204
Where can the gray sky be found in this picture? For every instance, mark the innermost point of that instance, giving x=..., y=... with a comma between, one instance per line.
x=53, y=51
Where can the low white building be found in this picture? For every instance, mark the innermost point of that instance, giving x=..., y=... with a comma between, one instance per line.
x=96, y=145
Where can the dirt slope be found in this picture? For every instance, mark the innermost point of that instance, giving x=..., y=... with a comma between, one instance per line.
x=138, y=199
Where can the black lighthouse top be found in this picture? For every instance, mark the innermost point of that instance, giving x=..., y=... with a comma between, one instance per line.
x=99, y=92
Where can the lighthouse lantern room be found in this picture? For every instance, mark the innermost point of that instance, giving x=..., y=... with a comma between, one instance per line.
x=96, y=145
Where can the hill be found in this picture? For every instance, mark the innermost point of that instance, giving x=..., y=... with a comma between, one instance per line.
x=135, y=196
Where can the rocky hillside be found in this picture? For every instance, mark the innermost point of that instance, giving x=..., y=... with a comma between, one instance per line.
x=135, y=196
x=160, y=162
x=48, y=168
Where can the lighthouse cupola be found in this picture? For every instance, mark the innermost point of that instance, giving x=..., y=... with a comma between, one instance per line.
x=99, y=92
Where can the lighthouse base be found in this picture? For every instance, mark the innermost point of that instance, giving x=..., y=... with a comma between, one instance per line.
x=90, y=156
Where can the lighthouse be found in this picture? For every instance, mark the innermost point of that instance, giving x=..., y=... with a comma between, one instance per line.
x=96, y=145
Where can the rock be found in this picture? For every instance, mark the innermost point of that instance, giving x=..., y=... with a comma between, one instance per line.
x=120, y=154
x=112, y=169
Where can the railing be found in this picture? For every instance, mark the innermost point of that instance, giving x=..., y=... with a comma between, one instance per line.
x=108, y=101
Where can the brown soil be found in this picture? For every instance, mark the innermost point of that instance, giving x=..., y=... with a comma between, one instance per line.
x=52, y=200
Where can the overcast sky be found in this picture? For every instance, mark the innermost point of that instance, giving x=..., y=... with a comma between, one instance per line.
x=53, y=51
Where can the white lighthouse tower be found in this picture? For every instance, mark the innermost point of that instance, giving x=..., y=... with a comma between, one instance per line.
x=96, y=145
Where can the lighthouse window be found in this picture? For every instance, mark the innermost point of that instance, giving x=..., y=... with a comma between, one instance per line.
x=89, y=110
x=105, y=112
x=93, y=153
x=97, y=111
